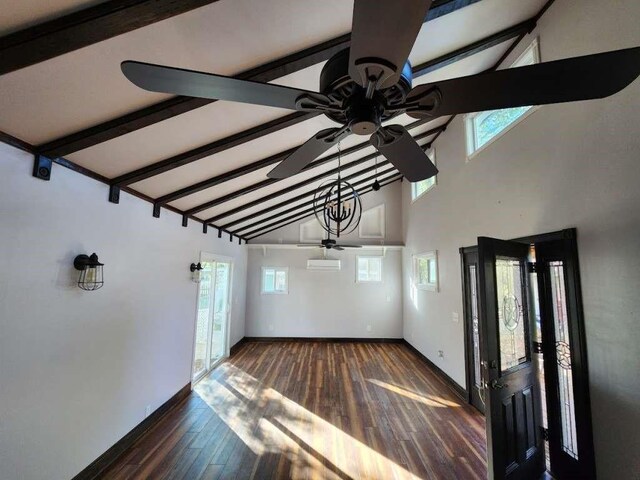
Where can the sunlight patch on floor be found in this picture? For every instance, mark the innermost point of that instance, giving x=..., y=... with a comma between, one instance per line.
x=429, y=400
x=268, y=422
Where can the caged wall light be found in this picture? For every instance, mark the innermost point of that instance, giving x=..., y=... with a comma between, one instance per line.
x=91, y=273
x=195, y=269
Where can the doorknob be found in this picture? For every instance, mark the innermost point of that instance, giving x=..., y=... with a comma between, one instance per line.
x=495, y=385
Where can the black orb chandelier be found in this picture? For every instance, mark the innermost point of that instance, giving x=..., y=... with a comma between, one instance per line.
x=337, y=205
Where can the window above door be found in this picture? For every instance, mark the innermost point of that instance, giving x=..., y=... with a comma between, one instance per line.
x=483, y=128
x=418, y=189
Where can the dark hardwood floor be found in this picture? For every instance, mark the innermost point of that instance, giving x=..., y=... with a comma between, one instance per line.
x=314, y=410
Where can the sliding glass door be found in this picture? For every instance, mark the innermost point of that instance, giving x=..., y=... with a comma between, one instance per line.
x=213, y=313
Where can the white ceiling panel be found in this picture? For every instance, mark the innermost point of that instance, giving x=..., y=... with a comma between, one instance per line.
x=234, y=157
x=468, y=25
x=173, y=136
x=85, y=87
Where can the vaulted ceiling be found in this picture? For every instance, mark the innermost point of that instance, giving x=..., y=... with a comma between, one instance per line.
x=63, y=96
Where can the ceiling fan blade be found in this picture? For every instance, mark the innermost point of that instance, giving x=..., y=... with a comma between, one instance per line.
x=382, y=35
x=399, y=147
x=308, y=152
x=337, y=247
x=569, y=80
x=342, y=247
x=177, y=81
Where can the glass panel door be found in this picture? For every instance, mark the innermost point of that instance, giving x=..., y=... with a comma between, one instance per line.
x=220, y=311
x=201, y=354
x=515, y=448
x=212, y=314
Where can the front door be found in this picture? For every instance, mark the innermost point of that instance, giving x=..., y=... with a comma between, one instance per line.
x=513, y=408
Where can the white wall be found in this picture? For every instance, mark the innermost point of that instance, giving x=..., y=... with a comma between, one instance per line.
x=329, y=304
x=78, y=368
x=574, y=165
x=324, y=304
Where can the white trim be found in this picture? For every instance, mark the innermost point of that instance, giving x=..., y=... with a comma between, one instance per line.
x=430, y=255
x=432, y=155
x=304, y=225
x=382, y=223
x=275, y=268
x=294, y=246
x=381, y=257
x=499, y=135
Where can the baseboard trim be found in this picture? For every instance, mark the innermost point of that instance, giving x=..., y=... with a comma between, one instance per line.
x=323, y=339
x=450, y=382
x=234, y=349
x=104, y=461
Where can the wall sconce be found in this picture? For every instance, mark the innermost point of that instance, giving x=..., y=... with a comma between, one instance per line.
x=91, y=275
x=195, y=272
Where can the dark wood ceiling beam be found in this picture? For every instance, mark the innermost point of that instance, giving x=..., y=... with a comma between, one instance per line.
x=270, y=181
x=175, y=106
x=302, y=217
x=212, y=148
x=474, y=48
x=85, y=27
x=306, y=212
x=254, y=166
x=380, y=176
x=17, y=142
x=296, y=186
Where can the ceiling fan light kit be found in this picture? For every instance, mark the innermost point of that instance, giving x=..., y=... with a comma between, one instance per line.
x=371, y=82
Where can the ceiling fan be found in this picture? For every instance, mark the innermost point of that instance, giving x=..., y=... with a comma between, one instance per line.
x=329, y=244
x=370, y=83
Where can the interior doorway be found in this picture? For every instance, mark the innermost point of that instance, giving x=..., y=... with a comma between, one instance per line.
x=526, y=355
x=213, y=313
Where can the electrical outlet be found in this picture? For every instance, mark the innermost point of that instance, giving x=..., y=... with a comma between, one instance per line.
x=147, y=411
x=455, y=317
x=368, y=328
x=270, y=327
x=388, y=298
x=441, y=354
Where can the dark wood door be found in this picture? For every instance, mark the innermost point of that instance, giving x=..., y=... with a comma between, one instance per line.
x=565, y=362
x=515, y=448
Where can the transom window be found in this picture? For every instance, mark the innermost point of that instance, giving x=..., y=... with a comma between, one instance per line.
x=368, y=269
x=425, y=271
x=275, y=280
x=423, y=186
x=484, y=127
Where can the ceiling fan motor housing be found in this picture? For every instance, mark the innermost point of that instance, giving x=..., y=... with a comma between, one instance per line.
x=363, y=115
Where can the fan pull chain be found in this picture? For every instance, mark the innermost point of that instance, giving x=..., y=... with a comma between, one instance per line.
x=339, y=158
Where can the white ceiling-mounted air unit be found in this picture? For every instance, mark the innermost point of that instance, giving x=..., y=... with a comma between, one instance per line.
x=326, y=264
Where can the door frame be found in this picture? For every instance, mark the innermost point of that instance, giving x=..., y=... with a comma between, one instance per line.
x=214, y=257
x=582, y=399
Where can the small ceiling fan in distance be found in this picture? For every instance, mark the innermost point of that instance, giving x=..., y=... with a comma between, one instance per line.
x=370, y=83
x=329, y=244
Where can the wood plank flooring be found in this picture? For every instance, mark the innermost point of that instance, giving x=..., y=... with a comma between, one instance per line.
x=308, y=410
